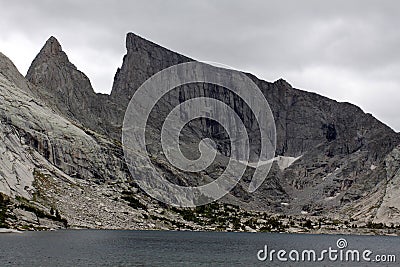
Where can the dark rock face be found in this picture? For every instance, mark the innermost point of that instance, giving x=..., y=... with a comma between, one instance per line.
x=304, y=120
x=143, y=59
x=338, y=143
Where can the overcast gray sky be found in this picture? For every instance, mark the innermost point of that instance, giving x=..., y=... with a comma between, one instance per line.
x=346, y=50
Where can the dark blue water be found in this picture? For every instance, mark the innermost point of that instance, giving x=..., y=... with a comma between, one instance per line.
x=161, y=248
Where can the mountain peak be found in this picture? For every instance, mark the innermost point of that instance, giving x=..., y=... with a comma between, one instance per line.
x=135, y=42
x=58, y=79
x=51, y=52
x=52, y=46
x=143, y=59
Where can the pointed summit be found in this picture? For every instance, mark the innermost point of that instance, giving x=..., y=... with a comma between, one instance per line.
x=52, y=51
x=68, y=88
x=52, y=57
x=52, y=46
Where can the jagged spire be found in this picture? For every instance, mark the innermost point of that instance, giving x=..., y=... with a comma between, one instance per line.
x=52, y=47
x=70, y=89
x=52, y=50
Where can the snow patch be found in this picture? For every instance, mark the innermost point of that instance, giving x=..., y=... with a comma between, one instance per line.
x=283, y=162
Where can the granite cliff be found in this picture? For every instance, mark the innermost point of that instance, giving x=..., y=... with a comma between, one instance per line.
x=61, y=147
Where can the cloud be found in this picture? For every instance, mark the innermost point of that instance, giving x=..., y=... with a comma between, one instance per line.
x=346, y=50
